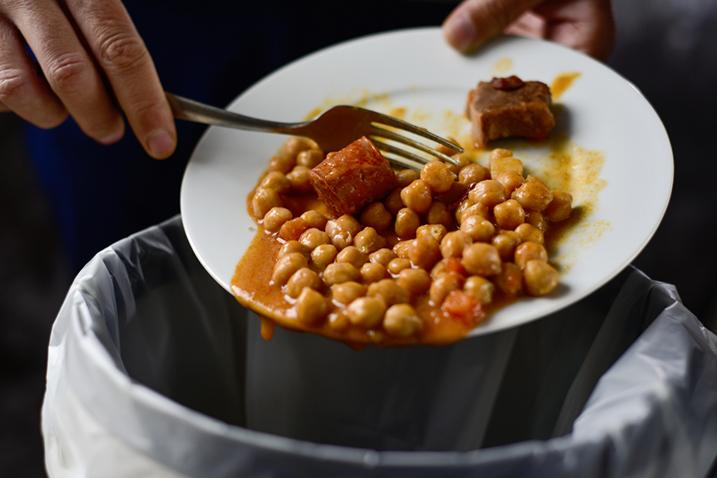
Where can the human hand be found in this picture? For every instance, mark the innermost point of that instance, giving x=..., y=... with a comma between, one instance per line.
x=585, y=25
x=90, y=55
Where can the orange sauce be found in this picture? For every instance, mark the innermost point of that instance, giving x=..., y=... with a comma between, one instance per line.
x=562, y=83
x=251, y=285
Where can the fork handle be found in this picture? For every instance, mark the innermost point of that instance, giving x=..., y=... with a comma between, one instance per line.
x=190, y=110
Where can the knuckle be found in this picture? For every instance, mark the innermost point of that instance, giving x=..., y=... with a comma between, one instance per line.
x=146, y=109
x=12, y=82
x=122, y=51
x=65, y=71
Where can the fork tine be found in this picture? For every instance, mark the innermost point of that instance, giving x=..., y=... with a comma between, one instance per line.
x=381, y=118
x=382, y=133
x=389, y=148
x=401, y=162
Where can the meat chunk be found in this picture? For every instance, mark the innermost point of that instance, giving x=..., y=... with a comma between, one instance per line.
x=510, y=107
x=352, y=177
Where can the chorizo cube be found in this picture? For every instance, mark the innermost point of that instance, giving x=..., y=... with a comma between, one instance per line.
x=510, y=107
x=352, y=177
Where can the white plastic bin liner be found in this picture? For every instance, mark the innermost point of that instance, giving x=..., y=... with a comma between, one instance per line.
x=154, y=370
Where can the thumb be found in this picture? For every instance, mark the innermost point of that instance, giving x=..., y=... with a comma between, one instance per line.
x=474, y=22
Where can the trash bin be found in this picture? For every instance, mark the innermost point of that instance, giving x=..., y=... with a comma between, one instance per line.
x=154, y=370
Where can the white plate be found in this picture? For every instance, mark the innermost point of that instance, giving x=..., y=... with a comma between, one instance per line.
x=416, y=69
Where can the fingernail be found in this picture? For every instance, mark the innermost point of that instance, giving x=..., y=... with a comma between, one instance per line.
x=460, y=31
x=160, y=143
x=114, y=137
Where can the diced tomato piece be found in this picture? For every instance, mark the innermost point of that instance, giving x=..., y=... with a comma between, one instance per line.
x=463, y=307
x=453, y=264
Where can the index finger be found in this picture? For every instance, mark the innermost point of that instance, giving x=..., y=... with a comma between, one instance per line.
x=124, y=58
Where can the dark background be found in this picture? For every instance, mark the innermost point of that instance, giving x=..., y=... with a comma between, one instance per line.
x=667, y=48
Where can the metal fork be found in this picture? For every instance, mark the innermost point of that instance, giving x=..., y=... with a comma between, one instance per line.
x=332, y=130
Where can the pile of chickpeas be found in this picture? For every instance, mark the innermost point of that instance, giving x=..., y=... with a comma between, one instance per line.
x=455, y=235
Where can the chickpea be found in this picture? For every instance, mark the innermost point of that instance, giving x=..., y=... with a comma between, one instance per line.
x=406, y=177
x=533, y=194
x=401, y=249
x=293, y=229
x=443, y=285
x=510, y=181
x=528, y=232
x=439, y=214
x=464, y=212
x=339, y=272
x=538, y=220
x=351, y=255
x=414, y=281
x=462, y=159
x=402, y=321
x=528, y=251
x=349, y=223
x=417, y=196
x=347, y=292
x=310, y=308
x=510, y=279
x=500, y=153
x=368, y=240
x=393, y=201
x=289, y=247
x=382, y=256
x=481, y=259
x=397, y=265
x=407, y=222
x=540, y=277
x=389, y=291
x=300, y=179
x=438, y=176
x=342, y=231
x=454, y=242
x=506, y=243
x=312, y=238
x=449, y=265
x=309, y=158
x=477, y=228
x=314, y=219
x=377, y=216
x=505, y=164
x=366, y=312
x=436, y=231
x=286, y=266
x=560, y=207
x=263, y=200
x=425, y=251
x=323, y=255
x=275, y=218
x=338, y=321
x=282, y=163
x=509, y=214
x=295, y=145
x=277, y=181
x=371, y=272
x=472, y=174
x=304, y=277
x=489, y=193
x=480, y=288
